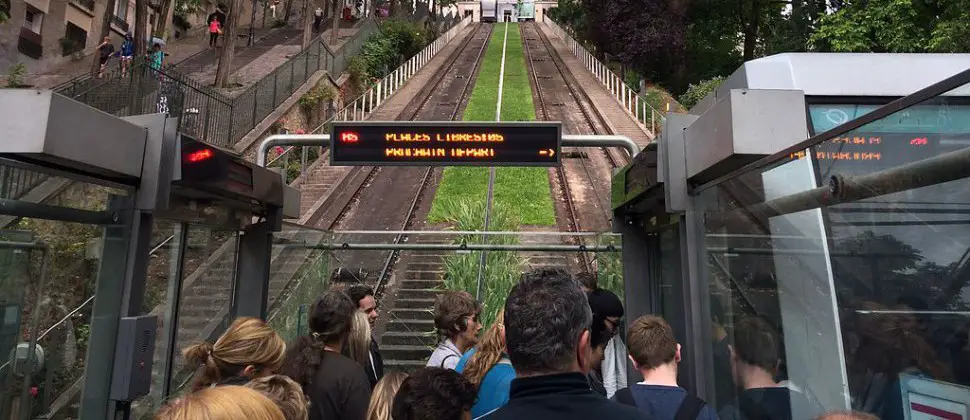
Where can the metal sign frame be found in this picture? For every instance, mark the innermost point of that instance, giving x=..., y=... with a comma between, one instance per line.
x=323, y=140
x=497, y=126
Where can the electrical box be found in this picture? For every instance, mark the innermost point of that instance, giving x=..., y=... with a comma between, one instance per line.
x=132, y=377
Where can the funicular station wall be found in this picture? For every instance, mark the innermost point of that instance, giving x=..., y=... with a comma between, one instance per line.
x=818, y=201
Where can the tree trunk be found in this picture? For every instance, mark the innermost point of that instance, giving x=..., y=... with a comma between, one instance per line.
x=289, y=8
x=229, y=44
x=109, y=12
x=164, y=19
x=141, y=26
x=335, y=33
x=751, y=27
x=307, y=23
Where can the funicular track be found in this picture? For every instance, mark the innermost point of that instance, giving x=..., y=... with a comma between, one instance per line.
x=583, y=179
x=395, y=199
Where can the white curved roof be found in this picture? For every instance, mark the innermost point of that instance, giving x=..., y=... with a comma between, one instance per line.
x=843, y=74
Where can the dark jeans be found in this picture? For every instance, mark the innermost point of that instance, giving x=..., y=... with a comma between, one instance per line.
x=213, y=38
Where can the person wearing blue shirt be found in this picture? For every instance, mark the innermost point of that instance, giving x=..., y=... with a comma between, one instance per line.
x=127, y=53
x=656, y=354
x=488, y=368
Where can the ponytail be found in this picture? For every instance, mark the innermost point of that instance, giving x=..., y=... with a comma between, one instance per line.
x=199, y=356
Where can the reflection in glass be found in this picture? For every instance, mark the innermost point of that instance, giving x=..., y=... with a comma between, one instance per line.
x=208, y=269
x=864, y=287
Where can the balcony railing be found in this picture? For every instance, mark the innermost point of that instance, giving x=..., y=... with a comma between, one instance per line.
x=121, y=23
x=87, y=4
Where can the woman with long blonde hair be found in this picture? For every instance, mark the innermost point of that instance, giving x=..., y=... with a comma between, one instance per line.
x=488, y=368
x=221, y=403
x=383, y=396
x=358, y=342
x=248, y=349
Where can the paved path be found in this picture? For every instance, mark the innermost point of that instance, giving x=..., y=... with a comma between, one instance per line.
x=619, y=119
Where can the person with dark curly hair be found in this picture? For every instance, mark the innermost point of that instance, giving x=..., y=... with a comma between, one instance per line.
x=433, y=393
x=335, y=385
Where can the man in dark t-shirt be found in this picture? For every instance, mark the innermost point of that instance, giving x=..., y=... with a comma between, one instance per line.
x=656, y=354
x=105, y=50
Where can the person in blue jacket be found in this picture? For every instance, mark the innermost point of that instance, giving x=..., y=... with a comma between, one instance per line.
x=488, y=368
x=127, y=53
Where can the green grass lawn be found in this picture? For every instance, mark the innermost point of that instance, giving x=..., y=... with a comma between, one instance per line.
x=524, y=191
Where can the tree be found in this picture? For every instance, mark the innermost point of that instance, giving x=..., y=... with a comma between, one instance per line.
x=335, y=33
x=229, y=45
x=109, y=11
x=4, y=10
x=896, y=26
x=141, y=26
x=307, y=23
x=165, y=19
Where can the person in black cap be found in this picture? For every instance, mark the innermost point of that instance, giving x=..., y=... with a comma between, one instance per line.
x=607, y=309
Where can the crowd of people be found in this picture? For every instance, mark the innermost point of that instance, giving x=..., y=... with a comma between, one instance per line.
x=546, y=356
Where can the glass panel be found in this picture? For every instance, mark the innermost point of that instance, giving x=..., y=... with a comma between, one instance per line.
x=298, y=275
x=208, y=269
x=19, y=182
x=414, y=277
x=163, y=279
x=54, y=305
x=840, y=273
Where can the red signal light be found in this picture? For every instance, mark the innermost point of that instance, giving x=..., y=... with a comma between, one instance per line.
x=349, y=137
x=200, y=155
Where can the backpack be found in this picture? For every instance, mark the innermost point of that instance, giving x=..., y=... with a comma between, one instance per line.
x=689, y=408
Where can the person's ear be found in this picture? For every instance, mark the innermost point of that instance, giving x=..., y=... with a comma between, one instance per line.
x=632, y=360
x=249, y=371
x=584, y=352
x=677, y=356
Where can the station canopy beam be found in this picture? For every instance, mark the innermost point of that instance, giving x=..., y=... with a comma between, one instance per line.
x=430, y=143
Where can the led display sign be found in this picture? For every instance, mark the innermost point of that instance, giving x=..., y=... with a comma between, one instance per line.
x=424, y=143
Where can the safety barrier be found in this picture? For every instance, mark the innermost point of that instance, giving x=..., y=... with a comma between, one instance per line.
x=365, y=104
x=203, y=112
x=646, y=115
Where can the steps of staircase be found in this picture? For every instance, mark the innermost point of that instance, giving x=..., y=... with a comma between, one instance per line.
x=404, y=303
x=414, y=326
x=407, y=338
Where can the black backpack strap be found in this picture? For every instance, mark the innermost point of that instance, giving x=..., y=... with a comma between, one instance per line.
x=442, y=364
x=690, y=408
x=625, y=397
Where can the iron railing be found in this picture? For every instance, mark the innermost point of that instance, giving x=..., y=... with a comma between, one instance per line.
x=203, y=112
x=15, y=182
x=646, y=115
x=365, y=104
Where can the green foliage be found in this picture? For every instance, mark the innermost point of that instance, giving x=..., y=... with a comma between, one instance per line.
x=357, y=68
x=696, y=92
x=317, y=96
x=15, y=75
x=186, y=8
x=502, y=269
x=397, y=41
x=879, y=26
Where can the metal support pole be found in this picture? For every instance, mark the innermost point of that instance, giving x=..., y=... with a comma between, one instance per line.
x=452, y=247
x=251, y=285
x=252, y=26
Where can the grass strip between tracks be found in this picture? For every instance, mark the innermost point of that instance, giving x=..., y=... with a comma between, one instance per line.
x=524, y=191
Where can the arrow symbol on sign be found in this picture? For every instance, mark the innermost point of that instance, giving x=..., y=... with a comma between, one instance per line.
x=548, y=152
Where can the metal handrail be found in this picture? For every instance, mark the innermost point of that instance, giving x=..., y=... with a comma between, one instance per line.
x=623, y=93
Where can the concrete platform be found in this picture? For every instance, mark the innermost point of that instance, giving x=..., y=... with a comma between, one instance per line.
x=618, y=118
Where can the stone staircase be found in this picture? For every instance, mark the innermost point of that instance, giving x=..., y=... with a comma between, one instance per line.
x=410, y=336
x=320, y=183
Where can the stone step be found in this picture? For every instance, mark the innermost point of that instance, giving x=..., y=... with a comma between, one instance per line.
x=423, y=274
x=407, y=352
x=414, y=326
x=422, y=313
x=426, y=266
x=405, y=338
x=418, y=293
x=414, y=303
x=422, y=284
x=406, y=366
